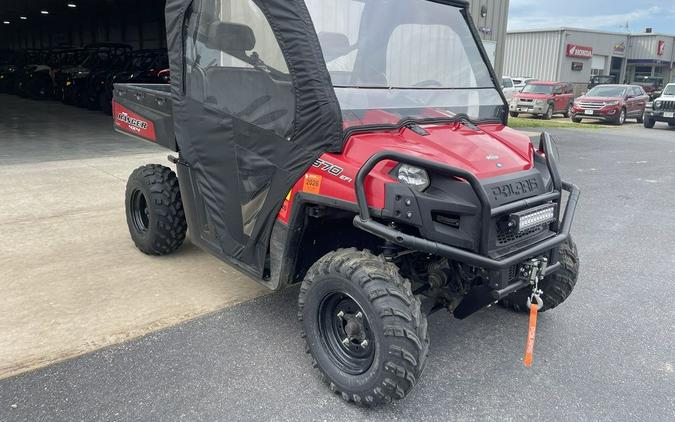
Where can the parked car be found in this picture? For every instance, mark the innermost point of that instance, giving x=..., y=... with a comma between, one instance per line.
x=520, y=82
x=611, y=103
x=651, y=84
x=601, y=80
x=541, y=98
x=144, y=67
x=508, y=87
x=78, y=83
x=662, y=109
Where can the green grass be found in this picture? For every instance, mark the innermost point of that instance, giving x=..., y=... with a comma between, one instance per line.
x=520, y=122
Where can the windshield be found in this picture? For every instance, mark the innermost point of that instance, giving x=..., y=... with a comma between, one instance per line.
x=537, y=89
x=393, y=59
x=670, y=90
x=607, y=91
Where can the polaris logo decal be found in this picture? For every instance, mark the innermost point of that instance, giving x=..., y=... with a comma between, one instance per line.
x=522, y=187
x=132, y=122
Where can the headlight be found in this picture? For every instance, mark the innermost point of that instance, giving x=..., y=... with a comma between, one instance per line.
x=540, y=102
x=414, y=177
x=612, y=103
x=657, y=104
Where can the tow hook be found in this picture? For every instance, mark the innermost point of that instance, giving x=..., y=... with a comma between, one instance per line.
x=533, y=270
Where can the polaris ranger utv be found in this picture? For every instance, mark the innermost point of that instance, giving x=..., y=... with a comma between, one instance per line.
x=360, y=148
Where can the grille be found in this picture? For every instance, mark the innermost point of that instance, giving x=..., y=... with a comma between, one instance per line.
x=665, y=105
x=513, y=271
x=505, y=238
x=594, y=106
x=525, y=100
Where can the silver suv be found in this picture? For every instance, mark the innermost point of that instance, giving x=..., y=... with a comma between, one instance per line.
x=662, y=109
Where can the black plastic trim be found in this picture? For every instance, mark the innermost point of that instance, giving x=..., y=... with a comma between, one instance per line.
x=365, y=222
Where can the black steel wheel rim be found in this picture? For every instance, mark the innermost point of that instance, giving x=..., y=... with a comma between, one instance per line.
x=345, y=333
x=140, y=213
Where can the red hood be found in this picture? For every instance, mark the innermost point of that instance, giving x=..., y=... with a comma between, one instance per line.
x=598, y=99
x=530, y=96
x=491, y=151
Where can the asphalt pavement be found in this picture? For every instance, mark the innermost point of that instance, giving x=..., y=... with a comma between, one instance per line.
x=607, y=353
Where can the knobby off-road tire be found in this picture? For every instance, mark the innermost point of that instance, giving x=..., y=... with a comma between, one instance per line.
x=556, y=287
x=394, y=325
x=154, y=209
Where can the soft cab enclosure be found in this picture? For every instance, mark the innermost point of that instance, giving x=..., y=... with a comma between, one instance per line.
x=253, y=104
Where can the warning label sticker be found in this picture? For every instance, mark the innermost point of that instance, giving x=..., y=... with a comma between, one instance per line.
x=312, y=183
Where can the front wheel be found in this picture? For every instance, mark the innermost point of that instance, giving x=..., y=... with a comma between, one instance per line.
x=363, y=327
x=556, y=287
x=621, y=119
x=649, y=122
x=549, y=113
x=154, y=209
x=576, y=119
x=514, y=114
x=568, y=111
x=671, y=124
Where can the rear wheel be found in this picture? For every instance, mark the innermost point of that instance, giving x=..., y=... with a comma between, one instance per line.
x=104, y=102
x=514, y=114
x=568, y=112
x=363, y=327
x=556, y=287
x=641, y=118
x=154, y=209
x=649, y=122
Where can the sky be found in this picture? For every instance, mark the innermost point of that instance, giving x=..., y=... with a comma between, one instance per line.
x=607, y=15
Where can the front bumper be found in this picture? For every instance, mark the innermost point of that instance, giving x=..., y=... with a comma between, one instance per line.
x=607, y=113
x=487, y=212
x=528, y=107
x=660, y=115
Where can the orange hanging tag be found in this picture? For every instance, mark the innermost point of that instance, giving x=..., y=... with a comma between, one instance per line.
x=531, y=331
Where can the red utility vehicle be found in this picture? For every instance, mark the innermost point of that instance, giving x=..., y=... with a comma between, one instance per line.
x=310, y=150
x=611, y=103
x=543, y=99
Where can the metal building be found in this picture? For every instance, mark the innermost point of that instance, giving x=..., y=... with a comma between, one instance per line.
x=574, y=55
x=491, y=17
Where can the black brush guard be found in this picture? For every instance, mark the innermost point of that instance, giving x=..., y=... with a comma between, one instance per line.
x=365, y=222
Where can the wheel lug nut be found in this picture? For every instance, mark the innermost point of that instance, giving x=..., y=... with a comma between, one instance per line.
x=345, y=341
x=364, y=343
x=359, y=315
x=340, y=314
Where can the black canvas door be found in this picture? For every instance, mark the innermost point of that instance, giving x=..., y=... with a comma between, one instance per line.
x=250, y=116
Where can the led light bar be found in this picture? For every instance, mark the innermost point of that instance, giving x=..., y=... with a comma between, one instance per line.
x=524, y=220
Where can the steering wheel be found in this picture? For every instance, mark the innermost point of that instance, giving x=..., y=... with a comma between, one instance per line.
x=421, y=99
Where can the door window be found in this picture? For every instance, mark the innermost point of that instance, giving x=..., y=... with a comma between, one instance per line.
x=234, y=64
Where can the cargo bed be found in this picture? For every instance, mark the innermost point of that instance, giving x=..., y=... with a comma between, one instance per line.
x=145, y=111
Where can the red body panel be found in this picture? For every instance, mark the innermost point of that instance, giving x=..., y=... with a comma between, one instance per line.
x=130, y=122
x=493, y=150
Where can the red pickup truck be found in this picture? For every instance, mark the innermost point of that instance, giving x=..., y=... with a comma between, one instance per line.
x=544, y=99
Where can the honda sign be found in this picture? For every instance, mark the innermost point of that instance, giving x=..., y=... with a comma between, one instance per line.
x=661, y=48
x=579, y=51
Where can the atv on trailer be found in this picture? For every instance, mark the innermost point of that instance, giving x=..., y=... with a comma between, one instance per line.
x=359, y=147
